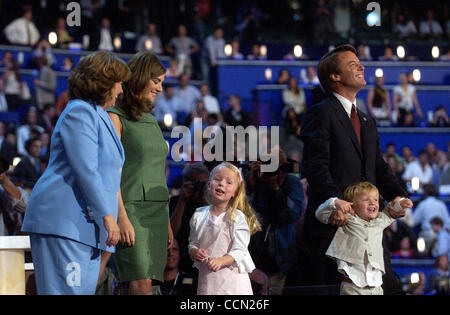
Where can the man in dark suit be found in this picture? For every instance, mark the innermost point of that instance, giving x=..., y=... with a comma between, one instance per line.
x=341, y=148
x=29, y=169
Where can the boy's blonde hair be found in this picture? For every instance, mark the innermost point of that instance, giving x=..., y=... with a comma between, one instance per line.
x=240, y=201
x=354, y=190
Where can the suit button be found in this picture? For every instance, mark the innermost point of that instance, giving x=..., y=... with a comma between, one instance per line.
x=366, y=239
x=91, y=213
x=370, y=254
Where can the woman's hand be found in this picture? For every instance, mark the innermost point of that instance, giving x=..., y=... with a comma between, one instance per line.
x=113, y=230
x=199, y=254
x=127, y=234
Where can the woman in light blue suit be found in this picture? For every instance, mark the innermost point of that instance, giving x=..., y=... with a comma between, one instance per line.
x=72, y=212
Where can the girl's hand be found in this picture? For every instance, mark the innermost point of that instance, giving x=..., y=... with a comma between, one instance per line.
x=214, y=264
x=199, y=254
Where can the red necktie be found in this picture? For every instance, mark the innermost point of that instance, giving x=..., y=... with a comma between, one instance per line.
x=356, y=123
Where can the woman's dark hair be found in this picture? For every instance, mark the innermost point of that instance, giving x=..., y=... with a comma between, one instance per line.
x=144, y=66
x=95, y=75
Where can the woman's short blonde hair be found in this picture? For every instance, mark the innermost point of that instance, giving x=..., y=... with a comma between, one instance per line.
x=354, y=190
x=95, y=75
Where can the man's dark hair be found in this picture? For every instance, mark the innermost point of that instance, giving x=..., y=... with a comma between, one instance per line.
x=329, y=64
x=437, y=221
x=430, y=190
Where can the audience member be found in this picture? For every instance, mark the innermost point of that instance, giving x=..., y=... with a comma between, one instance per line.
x=214, y=49
x=441, y=170
x=235, y=53
x=294, y=97
x=292, y=127
x=236, y=116
x=256, y=54
x=188, y=94
x=167, y=104
x=407, y=155
x=309, y=76
x=211, y=102
x=420, y=169
x=7, y=149
x=427, y=209
x=378, y=101
x=405, y=251
x=67, y=65
x=28, y=130
x=431, y=153
x=277, y=198
x=191, y=197
x=323, y=22
x=440, y=118
x=44, y=155
x=438, y=282
x=150, y=41
x=430, y=27
x=404, y=28
x=442, y=245
x=405, y=99
x=101, y=38
x=22, y=31
x=45, y=84
x=28, y=171
x=43, y=48
x=363, y=53
x=64, y=38
x=182, y=48
x=49, y=118
x=174, y=70
x=397, y=168
x=388, y=55
x=283, y=76
x=176, y=281
x=61, y=102
x=3, y=101
x=12, y=84
x=13, y=202
x=396, y=232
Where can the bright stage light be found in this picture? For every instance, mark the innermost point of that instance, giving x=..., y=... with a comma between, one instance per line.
x=298, y=51
x=401, y=52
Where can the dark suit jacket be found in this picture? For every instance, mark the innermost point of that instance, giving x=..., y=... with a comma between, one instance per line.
x=26, y=173
x=333, y=159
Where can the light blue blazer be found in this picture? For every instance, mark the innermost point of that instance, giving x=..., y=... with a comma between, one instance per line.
x=81, y=183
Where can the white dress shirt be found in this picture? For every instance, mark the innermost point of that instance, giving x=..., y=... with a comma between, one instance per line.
x=346, y=103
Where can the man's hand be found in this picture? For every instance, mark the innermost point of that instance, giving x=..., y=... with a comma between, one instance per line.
x=344, y=206
x=396, y=213
x=338, y=217
x=113, y=230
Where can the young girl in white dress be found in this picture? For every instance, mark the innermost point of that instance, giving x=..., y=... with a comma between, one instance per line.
x=220, y=234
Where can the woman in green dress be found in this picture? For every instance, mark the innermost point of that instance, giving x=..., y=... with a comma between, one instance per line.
x=143, y=198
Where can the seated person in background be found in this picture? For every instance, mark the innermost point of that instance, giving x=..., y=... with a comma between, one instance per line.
x=64, y=38
x=174, y=70
x=395, y=233
x=438, y=277
x=388, y=55
x=256, y=53
x=211, y=103
x=420, y=169
x=430, y=27
x=363, y=53
x=22, y=31
x=235, y=54
x=440, y=117
x=43, y=48
x=428, y=209
x=357, y=245
x=29, y=169
x=236, y=116
x=29, y=129
x=441, y=170
x=442, y=245
x=407, y=155
x=167, y=104
x=283, y=76
x=13, y=202
x=309, y=76
x=176, y=282
x=67, y=65
x=404, y=28
x=294, y=97
x=378, y=101
x=405, y=251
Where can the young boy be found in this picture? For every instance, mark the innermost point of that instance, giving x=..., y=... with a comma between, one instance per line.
x=357, y=246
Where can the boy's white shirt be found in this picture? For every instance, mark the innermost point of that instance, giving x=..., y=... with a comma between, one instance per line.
x=240, y=237
x=357, y=246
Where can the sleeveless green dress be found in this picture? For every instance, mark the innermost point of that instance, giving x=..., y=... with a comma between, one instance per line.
x=145, y=196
